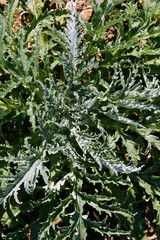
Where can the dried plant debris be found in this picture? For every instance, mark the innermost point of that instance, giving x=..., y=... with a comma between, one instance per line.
x=17, y=21
x=3, y=3
x=83, y=7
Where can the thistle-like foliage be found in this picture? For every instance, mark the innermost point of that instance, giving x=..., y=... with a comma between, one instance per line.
x=77, y=171
x=72, y=37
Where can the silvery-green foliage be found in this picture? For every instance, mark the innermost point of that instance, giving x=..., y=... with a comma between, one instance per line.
x=90, y=138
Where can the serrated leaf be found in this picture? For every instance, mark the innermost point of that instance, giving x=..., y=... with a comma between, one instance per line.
x=115, y=116
x=131, y=149
x=28, y=177
x=7, y=87
x=35, y=6
x=47, y=226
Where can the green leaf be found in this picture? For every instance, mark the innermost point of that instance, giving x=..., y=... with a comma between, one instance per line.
x=7, y=87
x=35, y=7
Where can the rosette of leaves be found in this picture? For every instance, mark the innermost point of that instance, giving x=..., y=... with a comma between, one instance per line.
x=79, y=178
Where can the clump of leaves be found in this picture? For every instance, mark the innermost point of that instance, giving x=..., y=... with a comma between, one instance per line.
x=91, y=138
